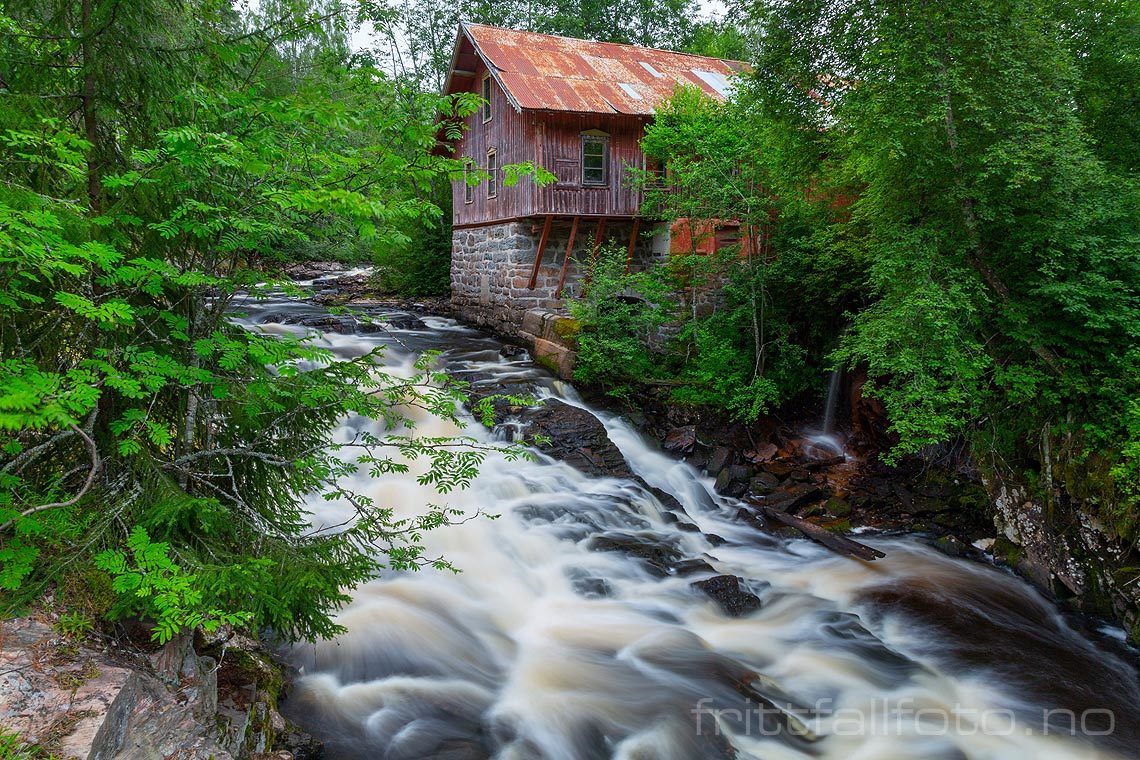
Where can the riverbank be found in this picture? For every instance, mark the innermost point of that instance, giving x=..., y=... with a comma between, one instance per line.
x=69, y=691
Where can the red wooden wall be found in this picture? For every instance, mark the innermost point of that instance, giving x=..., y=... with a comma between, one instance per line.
x=551, y=140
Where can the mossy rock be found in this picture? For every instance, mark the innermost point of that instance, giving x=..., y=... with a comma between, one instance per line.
x=1007, y=551
x=548, y=363
x=838, y=526
x=838, y=507
x=567, y=328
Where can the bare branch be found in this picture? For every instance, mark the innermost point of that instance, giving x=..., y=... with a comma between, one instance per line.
x=96, y=466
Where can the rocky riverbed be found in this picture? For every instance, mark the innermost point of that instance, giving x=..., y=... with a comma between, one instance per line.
x=843, y=486
x=110, y=698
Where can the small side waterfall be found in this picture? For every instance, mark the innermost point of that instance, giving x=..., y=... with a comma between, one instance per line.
x=823, y=442
x=832, y=401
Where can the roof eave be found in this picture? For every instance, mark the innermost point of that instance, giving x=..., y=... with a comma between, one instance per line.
x=491, y=68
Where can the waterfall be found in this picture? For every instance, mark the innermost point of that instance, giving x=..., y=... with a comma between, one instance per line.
x=579, y=627
x=832, y=401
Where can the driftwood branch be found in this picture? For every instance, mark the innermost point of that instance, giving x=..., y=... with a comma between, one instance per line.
x=837, y=543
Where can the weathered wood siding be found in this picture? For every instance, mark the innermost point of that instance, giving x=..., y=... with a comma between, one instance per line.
x=559, y=149
x=512, y=136
x=553, y=141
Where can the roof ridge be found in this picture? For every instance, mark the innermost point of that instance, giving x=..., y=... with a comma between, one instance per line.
x=602, y=42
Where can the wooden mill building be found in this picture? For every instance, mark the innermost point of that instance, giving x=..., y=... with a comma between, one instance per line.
x=578, y=109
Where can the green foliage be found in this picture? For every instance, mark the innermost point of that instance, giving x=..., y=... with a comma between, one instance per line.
x=151, y=585
x=641, y=327
x=422, y=265
x=776, y=298
x=949, y=192
x=968, y=174
x=75, y=625
x=619, y=313
x=143, y=432
x=13, y=748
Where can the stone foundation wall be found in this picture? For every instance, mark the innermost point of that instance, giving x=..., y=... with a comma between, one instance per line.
x=491, y=267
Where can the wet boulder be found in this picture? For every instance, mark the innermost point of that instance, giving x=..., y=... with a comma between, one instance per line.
x=587, y=585
x=576, y=437
x=511, y=351
x=310, y=270
x=691, y=566
x=733, y=480
x=720, y=458
x=657, y=555
x=681, y=440
x=404, y=321
x=728, y=594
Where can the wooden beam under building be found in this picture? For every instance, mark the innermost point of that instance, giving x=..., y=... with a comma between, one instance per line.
x=632, y=243
x=541, y=249
x=566, y=258
x=598, y=233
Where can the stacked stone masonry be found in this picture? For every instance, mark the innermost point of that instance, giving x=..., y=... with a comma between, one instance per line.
x=491, y=267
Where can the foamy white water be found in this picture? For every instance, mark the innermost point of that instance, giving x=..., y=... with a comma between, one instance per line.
x=544, y=647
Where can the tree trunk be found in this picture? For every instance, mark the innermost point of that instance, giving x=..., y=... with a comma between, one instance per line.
x=976, y=255
x=87, y=100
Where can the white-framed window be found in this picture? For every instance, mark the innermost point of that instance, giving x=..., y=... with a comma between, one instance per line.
x=595, y=160
x=656, y=172
x=486, y=98
x=468, y=188
x=492, y=173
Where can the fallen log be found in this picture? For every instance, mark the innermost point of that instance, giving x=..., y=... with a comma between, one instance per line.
x=837, y=543
x=819, y=464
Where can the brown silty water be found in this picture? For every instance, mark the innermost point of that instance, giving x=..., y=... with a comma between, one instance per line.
x=546, y=646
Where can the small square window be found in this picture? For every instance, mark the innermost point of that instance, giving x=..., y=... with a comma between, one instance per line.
x=656, y=172
x=595, y=161
x=486, y=98
x=492, y=174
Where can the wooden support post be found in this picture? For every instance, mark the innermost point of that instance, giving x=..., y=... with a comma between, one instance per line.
x=541, y=249
x=566, y=258
x=632, y=243
x=598, y=233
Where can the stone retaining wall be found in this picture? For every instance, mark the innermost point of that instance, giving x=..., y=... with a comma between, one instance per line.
x=491, y=267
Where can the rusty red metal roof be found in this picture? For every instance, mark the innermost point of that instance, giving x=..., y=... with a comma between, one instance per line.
x=548, y=73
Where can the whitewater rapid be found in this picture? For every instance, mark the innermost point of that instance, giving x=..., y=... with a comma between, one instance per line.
x=545, y=648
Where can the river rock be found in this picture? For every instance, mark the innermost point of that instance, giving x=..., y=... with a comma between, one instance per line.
x=576, y=437
x=404, y=321
x=720, y=458
x=733, y=480
x=725, y=590
x=681, y=440
x=763, y=453
x=310, y=270
x=691, y=567
x=838, y=507
x=658, y=556
x=792, y=498
x=589, y=586
x=511, y=351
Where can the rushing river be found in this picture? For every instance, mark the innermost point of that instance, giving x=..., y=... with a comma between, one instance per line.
x=544, y=648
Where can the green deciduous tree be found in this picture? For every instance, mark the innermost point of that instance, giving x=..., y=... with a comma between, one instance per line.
x=157, y=157
x=994, y=199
